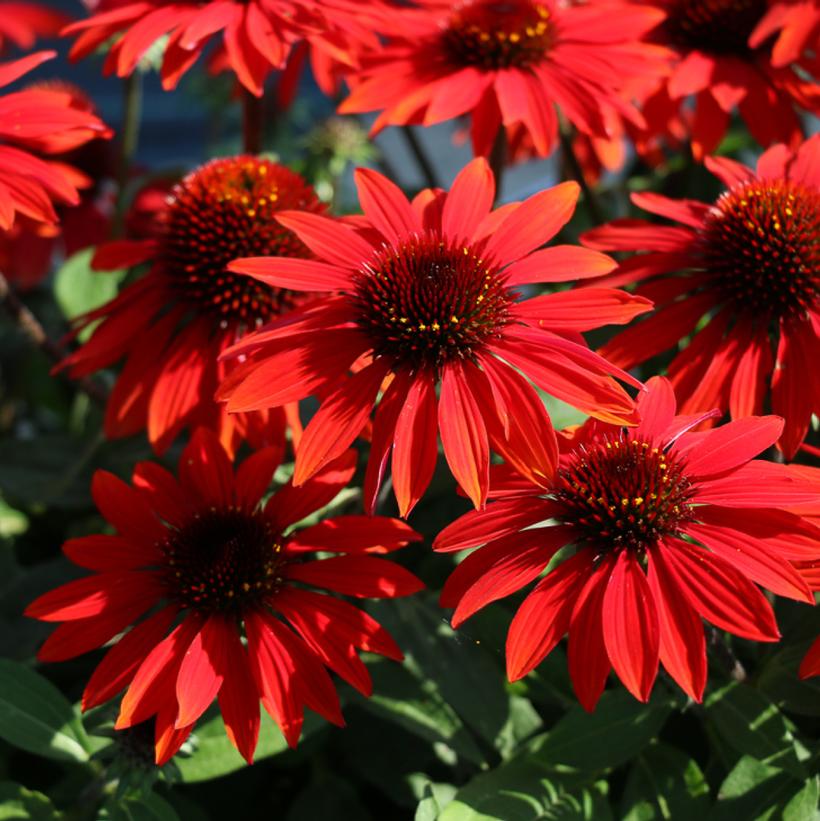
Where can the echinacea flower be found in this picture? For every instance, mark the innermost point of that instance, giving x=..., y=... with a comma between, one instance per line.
x=35, y=122
x=729, y=60
x=668, y=527
x=24, y=23
x=256, y=35
x=749, y=264
x=512, y=64
x=172, y=324
x=425, y=298
x=198, y=561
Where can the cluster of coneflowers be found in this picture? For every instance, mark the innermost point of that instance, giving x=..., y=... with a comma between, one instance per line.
x=415, y=323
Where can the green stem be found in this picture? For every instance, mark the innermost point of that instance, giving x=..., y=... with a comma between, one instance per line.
x=252, y=122
x=36, y=334
x=498, y=159
x=423, y=162
x=129, y=139
x=590, y=199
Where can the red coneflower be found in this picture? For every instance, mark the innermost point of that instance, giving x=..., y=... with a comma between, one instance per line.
x=45, y=122
x=667, y=526
x=172, y=324
x=425, y=298
x=24, y=23
x=750, y=263
x=507, y=63
x=729, y=61
x=203, y=558
x=257, y=35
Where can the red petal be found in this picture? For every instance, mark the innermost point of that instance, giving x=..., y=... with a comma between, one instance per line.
x=121, y=662
x=463, y=434
x=202, y=670
x=205, y=469
x=657, y=407
x=338, y=421
x=163, y=492
x=294, y=274
x=381, y=441
x=630, y=625
x=582, y=310
x=108, y=553
x=759, y=484
x=505, y=565
x=682, y=645
x=329, y=239
x=810, y=666
x=354, y=534
x=126, y=509
x=124, y=253
x=544, y=616
x=498, y=519
x=732, y=445
x=255, y=475
x=587, y=659
x=385, y=206
x=468, y=201
x=753, y=559
x=238, y=697
x=537, y=220
x=718, y=591
x=365, y=577
x=415, y=444
x=560, y=263
x=292, y=504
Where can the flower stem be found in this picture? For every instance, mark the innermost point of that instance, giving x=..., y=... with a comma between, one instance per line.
x=129, y=139
x=498, y=159
x=36, y=334
x=571, y=159
x=252, y=110
x=424, y=164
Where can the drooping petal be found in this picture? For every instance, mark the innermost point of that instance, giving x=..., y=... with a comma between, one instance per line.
x=630, y=626
x=354, y=534
x=718, y=591
x=544, y=616
x=238, y=696
x=682, y=644
x=463, y=434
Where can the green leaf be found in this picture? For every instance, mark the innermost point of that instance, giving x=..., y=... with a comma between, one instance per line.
x=328, y=796
x=434, y=798
x=664, y=783
x=418, y=706
x=138, y=808
x=35, y=716
x=617, y=731
x=803, y=806
x=78, y=288
x=749, y=723
x=16, y=802
x=463, y=672
x=779, y=681
x=12, y=522
x=215, y=756
x=755, y=791
x=526, y=789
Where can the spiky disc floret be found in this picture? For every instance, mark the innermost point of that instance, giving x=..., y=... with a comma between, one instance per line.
x=222, y=561
x=430, y=301
x=714, y=26
x=761, y=243
x=495, y=34
x=622, y=493
x=224, y=210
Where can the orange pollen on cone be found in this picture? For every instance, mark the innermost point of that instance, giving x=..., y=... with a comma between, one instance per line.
x=623, y=494
x=222, y=561
x=222, y=211
x=495, y=34
x=428, y=302
x=714, y=26
x=761, y=244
